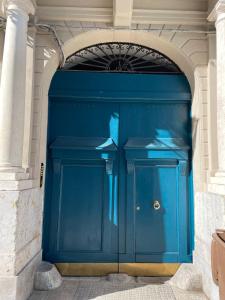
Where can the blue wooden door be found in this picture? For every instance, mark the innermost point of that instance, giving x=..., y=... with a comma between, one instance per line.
x=118, y=144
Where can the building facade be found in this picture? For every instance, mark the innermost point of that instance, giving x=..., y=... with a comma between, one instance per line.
x=36, y=38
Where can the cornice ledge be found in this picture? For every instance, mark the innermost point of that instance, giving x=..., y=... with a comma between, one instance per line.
x=28, y=6
x=216, y=184
x=218, y=9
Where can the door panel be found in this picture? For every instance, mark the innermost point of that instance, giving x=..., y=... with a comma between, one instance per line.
x=154, y=120
x=83, y=119
x=83, y=202
x=156, y=229
x=81, y=207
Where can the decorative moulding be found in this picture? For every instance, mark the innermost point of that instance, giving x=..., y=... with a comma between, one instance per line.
x=28, y=6
x=218, y=9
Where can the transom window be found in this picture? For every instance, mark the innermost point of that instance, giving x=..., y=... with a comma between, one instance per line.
x=120, y=57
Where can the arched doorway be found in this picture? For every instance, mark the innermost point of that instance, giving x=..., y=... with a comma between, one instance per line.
x=119, y=162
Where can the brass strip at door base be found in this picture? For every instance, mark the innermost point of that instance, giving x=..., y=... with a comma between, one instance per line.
x=149, y=269
x=87, y=269
x=132, y=269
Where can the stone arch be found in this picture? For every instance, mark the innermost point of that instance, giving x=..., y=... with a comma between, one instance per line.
x=147, y=39
x=143, y=38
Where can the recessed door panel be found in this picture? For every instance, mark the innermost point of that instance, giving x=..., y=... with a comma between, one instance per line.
x=81, y=208
x=154, y=120
x=81, y=118
x=156, y=232
x=81, y=227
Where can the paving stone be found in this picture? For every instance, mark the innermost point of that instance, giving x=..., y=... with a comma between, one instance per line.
x=100, y=288
x=153, y=280
x=185, y=295
x=38, y=295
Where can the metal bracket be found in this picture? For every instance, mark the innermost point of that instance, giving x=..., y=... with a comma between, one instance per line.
x=130, y=166
x=183, y=164
x=109, y=166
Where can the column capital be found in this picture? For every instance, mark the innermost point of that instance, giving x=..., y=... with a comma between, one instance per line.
x=27, y=6
x=218, y=12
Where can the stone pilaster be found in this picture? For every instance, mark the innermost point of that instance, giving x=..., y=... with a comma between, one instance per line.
x=20, y=197
x=13, y=84
x=218, y=16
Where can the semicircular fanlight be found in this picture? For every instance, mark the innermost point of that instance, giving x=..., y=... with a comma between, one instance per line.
x=120, y=57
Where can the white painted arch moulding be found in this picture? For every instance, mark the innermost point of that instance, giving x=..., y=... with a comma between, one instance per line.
x=99, y=36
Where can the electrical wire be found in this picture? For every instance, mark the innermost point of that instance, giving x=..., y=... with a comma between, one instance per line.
x=52, y=29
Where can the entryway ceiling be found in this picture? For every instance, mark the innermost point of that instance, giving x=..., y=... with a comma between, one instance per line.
x=126, y=12
x=197, y=5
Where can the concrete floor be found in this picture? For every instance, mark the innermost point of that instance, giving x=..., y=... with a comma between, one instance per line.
x=114, y=288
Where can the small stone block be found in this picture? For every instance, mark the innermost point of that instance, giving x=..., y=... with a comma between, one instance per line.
x=119, y=278
x=47, y=277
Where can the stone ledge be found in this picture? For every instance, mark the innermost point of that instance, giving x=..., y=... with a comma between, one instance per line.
x=13, y=176
x=216, y=188
x=17, y=185
x=216, y=184
x=217, y=180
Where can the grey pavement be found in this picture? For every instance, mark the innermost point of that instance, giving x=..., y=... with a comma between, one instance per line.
x=103, y=288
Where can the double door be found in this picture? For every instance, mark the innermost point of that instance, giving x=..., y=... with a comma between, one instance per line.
x=117, y=186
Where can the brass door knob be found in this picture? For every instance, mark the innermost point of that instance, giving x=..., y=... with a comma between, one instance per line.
x=156, y=205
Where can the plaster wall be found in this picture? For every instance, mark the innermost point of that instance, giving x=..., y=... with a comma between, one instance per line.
x=22, y=207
